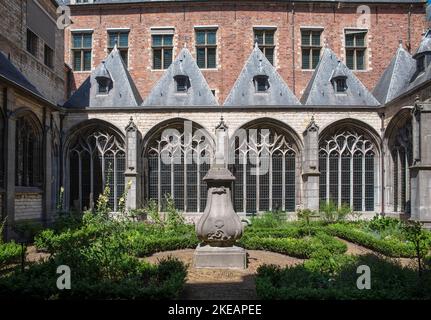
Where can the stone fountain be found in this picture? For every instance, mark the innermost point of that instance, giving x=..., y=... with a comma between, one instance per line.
x=220, y=226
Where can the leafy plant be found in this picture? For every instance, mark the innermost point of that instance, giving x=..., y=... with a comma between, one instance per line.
x=269, y=219
x=414, y=233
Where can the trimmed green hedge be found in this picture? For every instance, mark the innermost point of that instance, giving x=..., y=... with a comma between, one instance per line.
x=335, y=278
x=388, y=247
x=146, y=246
x=134, y=280
x=9, y=253
x=296, y=247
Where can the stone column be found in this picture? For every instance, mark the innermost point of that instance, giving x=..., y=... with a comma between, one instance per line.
x=310, y=167
x=420, y=171
x=10, y=163
x=132, y=165
x=47, y=171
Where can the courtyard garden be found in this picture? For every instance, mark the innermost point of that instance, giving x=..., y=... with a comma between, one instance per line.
x=147, y=255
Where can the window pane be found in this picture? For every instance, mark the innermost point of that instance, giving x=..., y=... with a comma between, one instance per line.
x=167, y=58
x=305, y=58
x=360, y=60
x=305, y=38
x=124, y=39
x=167, y=41
x=200, y=37
x=259, y=36
x=77, y=41
x=87, y=60
x=87, y=42
x=349, y=40
x=316, y=57
x=315, y=41
x=157, y=41
x=211, y=55
x=112, y=39
x=157, y=59
x=201, y=57
x=349, y=59
x=77, y=61
x=269, y=37
x=360, y=40
x=269, y=54
x=211, y=37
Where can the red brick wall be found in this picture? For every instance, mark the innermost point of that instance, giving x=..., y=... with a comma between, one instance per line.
x=389, y=24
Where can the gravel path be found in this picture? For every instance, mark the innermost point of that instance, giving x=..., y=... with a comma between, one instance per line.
x=218, y=284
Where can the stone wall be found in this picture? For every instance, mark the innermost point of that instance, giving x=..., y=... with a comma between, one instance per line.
x=235, y=119
x=13, y=44
x=235, y=20
x=28, y=206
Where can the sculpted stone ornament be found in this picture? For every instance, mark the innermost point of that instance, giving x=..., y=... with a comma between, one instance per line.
x=220, y=226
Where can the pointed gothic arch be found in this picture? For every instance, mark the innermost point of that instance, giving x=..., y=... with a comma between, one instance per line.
x=94, y=158
x=177, y=154
x=349, y=165
x=398, y=144
x=267, y=158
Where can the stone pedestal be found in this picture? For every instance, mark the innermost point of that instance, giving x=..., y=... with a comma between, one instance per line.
x=220, y=226
x=220, y=257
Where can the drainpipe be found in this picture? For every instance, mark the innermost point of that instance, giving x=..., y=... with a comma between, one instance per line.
x=293, y=48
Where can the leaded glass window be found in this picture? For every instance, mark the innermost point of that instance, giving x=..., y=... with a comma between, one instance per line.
x=28, y=164
x=402, y=159
x=347, y=168
x=97, y=159
x=265, y=171
x=177, y=163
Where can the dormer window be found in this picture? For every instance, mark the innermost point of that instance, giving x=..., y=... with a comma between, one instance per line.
x=420, y=64
x=182, y=83
x=340, y=85
x=103, y=79
x=261, y=83
x=103, y=86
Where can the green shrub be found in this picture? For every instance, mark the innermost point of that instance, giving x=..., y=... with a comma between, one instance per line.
x=389, y=247
x=295, y=247
x=9, y=253
x=334, y=277
x=133, y=280
x=270, y=219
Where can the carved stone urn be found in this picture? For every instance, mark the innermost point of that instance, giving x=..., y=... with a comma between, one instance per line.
x=220, y=226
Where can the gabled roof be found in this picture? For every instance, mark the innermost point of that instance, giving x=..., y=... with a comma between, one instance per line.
x=244, y=92
x=11, y=73
x=320, y=89
x=123, y=93
x=396, y=77
x=165, y=92
x=420, y=77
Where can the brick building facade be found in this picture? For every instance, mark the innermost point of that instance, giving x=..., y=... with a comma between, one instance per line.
x=337, y=100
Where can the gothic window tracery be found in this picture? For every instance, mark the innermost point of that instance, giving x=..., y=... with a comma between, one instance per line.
x=177, y=161
x=402, y=159
x=346, y=164
x=265, y=171
x=28, y=160
x=97, y=159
